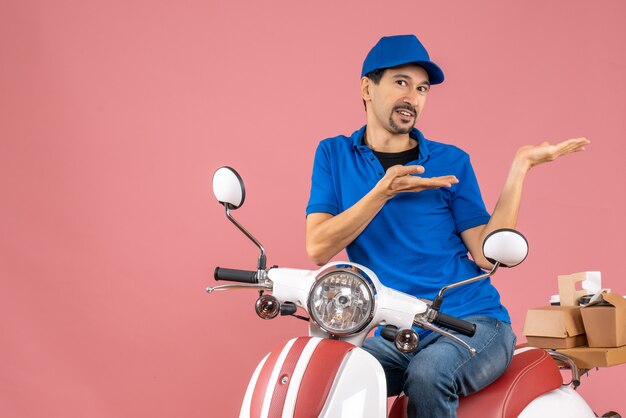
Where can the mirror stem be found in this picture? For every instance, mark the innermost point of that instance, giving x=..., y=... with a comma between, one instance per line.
x=261, y=265
x=437, y=302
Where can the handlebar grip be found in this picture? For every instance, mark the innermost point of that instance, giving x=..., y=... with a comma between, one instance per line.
x=234, y=275
x=389, y=332
x=455, y=324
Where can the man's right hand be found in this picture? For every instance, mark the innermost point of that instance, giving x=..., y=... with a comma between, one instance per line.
x=400, y=179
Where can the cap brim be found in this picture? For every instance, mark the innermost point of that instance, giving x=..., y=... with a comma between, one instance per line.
x=435, y=74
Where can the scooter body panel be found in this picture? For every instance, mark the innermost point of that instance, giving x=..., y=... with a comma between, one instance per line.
x=562, y=402
x=359, y=389
x=316, y=377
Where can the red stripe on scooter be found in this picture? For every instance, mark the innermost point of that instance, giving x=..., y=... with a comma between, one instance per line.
x=258, y=396
x=319, y=377
x=286, y=371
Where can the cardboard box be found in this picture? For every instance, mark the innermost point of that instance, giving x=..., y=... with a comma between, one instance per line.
x=590, y=281
x=588, y=358
x=555, y=327
x=605, y=320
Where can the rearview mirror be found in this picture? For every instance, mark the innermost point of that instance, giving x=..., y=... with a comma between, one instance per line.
x=228, y=187
x=506, y=246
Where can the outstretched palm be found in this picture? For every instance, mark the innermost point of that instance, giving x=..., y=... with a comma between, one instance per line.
x=532, y=155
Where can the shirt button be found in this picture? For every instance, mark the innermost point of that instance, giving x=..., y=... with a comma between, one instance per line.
x=380, y=173
x=371, y=158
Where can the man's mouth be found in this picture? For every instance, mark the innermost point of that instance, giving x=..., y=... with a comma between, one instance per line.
x=405, y=113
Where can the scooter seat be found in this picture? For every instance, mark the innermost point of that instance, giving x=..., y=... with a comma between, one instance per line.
x=532, y=372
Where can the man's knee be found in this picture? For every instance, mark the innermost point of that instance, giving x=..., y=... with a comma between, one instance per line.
x=428, y=378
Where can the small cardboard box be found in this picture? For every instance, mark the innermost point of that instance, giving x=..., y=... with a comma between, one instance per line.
x=605, y=320
x=591, y=282
x=555, y=327
x=588, y=357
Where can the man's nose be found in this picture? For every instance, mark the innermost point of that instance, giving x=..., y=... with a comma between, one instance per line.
x=412, y=98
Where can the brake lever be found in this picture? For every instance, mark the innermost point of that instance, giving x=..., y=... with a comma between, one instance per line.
x=260, y=286
x=427, y=325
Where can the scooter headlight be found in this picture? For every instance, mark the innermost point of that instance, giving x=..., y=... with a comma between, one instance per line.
x=342, y=300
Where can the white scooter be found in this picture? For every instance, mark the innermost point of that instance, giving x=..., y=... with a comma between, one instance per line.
x=327, y=375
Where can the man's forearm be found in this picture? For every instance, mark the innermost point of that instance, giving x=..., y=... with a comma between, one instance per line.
x=327, y=237
x=506, y=212
x=503, y=216
x=327, y=234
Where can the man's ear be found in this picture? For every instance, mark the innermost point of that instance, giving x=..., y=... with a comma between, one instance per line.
x=366, y=83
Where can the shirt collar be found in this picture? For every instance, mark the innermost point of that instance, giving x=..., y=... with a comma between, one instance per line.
x=357, y=141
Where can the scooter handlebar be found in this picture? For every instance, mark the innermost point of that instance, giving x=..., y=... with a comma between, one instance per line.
x=455, y=324
x=234, y=275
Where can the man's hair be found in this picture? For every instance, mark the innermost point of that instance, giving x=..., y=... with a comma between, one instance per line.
x=375, y=76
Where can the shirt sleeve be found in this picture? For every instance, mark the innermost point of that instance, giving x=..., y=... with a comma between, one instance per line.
x=323, y=197
x=468, y=208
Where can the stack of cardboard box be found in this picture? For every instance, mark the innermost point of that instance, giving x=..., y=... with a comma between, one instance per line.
x=593, y=335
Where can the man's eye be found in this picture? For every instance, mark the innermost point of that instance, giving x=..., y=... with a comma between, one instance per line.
x=423, y=89
x=401, y=83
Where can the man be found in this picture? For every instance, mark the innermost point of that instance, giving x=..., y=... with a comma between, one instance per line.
x=411, y=210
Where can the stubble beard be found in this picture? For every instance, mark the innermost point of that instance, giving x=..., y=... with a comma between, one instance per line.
x=397, y=129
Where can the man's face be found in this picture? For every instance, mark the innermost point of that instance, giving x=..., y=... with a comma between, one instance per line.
x=398, y=99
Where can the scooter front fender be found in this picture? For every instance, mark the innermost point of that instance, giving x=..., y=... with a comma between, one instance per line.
x=310, y=376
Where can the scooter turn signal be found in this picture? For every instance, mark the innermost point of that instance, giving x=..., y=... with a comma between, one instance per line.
x=406, y=340
x=267, y=307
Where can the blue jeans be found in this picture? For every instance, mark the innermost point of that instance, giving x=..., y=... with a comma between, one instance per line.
x=440, y=370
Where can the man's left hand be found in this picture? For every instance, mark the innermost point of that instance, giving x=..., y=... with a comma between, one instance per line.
x=532, y=155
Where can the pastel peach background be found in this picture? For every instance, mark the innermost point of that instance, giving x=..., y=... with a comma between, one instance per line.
x=114, y=115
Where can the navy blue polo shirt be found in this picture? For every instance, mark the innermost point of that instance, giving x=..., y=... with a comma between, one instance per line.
x=413, y=244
